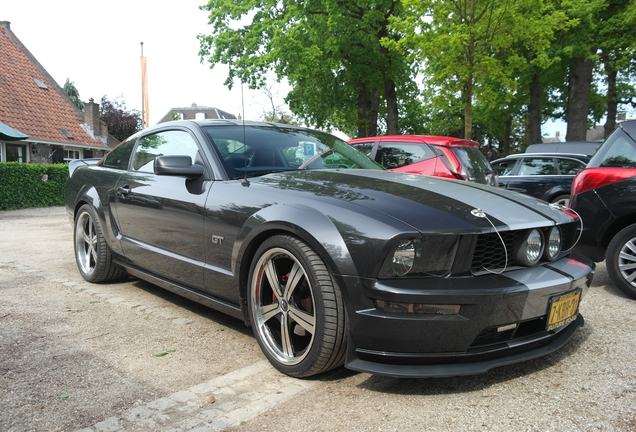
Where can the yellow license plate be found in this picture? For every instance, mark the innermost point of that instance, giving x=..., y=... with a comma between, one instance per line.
x=563, y=309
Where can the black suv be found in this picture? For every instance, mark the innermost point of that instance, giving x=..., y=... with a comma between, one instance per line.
x=604, y=195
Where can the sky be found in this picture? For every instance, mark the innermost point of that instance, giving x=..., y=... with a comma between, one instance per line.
x=97, y=45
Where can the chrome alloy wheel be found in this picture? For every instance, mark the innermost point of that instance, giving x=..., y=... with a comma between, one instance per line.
x=627, y=261
x=283, y=306
x=86, y=239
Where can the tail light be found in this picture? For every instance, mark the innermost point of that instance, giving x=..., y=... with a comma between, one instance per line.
x=453, y=164
x=592, y=178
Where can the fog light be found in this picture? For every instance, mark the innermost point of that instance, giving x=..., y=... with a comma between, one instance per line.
x=553, y=247
x=528, y=251
x=417, y=308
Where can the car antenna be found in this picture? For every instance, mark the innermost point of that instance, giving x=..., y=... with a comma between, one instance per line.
x=245, y=182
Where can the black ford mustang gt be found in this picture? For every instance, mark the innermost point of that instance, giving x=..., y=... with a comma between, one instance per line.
x=327, y=256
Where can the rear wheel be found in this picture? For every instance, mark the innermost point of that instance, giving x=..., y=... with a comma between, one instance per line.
x=621, y=260
x=296, y=310
x=93, y=257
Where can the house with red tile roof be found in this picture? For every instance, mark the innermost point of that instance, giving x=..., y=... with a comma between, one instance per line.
x=33, y=104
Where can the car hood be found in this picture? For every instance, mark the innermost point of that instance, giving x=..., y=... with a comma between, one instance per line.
x=428, y=204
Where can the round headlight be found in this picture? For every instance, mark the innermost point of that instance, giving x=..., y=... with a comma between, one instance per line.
x=404, y=258
x=529, y=250
x=553, y=247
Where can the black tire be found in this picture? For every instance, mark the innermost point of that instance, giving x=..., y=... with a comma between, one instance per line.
x=564, y=200
x=92, y=255
x=296, y=310
x=621, y=260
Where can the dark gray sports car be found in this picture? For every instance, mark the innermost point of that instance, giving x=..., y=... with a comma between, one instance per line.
x=327, y=256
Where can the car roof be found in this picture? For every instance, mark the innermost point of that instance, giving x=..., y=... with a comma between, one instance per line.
x=581, y=157
x=423, y=139
x=587, y=148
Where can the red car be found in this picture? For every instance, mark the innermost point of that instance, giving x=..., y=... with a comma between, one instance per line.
x=429, y=155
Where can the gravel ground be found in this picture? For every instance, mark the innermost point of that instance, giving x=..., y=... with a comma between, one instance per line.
x=77, y=356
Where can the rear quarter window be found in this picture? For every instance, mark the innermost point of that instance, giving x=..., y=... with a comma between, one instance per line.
x=119, y=157
x=570, y=166
x=395, y=155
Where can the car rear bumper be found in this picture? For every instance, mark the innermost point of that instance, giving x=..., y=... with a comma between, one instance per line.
x=502, y=320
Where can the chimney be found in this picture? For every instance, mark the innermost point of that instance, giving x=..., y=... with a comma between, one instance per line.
x=193, y=105
x=91, y=116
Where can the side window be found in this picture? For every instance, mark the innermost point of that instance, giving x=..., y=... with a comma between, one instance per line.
x=537, y=166
x=169, y=143
x=118, y=157
x=570, y=166
x=504, y=167
x=396, y=155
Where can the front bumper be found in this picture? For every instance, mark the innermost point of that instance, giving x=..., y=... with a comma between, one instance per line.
x=502, y=320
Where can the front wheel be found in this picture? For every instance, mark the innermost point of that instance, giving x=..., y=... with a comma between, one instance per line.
x=296, y=310
x=621, y=260
x=93, y=257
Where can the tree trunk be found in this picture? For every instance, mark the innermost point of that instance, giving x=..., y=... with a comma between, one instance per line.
x=579, y=99
x=368, y=112
x=392, y=125
x=508, y=134
x=612, y=98
x=468, y=108
x=534, y=111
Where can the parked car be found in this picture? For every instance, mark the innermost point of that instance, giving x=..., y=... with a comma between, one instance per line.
x=429, y=155
x=586, y=148
x=386, y=272
x=547, y=176
x=604, y=195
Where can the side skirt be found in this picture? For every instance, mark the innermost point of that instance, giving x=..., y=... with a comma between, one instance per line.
x=189, y=293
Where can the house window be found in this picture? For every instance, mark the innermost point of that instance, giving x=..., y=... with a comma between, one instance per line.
x=200, y=116
x=72, y=154
x=16, y=153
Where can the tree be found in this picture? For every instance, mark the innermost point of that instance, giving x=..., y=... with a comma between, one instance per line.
x=71, y=91
x=329, y=51
x=465, y=44
x=617, y=36
x=121, y=123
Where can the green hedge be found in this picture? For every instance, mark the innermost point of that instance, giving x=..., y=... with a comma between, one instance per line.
x=31, y=185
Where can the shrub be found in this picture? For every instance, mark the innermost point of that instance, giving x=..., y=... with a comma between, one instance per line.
x=31, y=185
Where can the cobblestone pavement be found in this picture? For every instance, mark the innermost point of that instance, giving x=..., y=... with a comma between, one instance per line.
x=131, y=357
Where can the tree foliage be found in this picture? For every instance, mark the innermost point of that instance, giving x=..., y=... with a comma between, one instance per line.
x=476, y=49
x=330, y=52
x=121, y=122
x=493, y=70
x=71, y=91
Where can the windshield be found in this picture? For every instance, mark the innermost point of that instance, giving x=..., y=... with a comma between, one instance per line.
x=256, y=150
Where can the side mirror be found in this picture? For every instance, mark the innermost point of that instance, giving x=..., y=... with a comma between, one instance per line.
x=177, y=166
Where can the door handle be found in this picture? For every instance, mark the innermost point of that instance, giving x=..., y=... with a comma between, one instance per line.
x=124, y=190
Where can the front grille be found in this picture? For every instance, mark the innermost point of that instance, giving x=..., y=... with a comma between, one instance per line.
x=569, y=234
x=490, y=253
